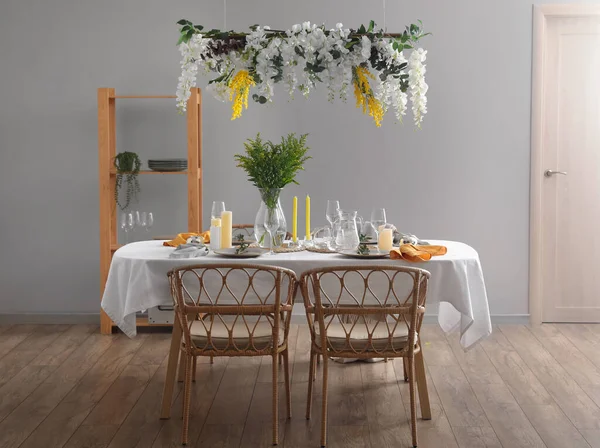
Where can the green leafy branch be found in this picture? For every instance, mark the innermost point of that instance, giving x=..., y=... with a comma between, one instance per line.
x=413, y=33
x=273, y=165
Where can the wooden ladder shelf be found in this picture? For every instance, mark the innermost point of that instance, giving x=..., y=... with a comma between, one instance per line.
x=106, y=154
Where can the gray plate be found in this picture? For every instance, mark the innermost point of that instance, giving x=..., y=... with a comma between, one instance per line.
x=372, y=255
x=251, y=252
x=168, y=168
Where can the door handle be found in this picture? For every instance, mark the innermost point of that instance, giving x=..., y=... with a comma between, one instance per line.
x=550, y=173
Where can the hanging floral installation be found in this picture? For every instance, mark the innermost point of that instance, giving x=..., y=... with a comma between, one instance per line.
x=373, y=62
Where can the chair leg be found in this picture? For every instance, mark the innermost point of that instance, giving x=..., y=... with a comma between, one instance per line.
x=212, y=359
x=181, y=372
x=275, y=402
x=280, y=358
x=413, y=400
x=324, y=410
x=405, y=368
x=422, y=386
x=288, y=392
x=194, y=368
x=187, y=386
x=318, y=359
x=311, y=380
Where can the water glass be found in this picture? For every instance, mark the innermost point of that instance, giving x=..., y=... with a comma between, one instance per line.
x=217, y=208
x=323, y=238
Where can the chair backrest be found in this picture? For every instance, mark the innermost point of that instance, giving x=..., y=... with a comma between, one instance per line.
x=228, y=303
x=243, y=229
x=382, y=306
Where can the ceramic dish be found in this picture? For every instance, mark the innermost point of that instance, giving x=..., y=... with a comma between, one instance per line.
x=251, y=252
x=372, y=254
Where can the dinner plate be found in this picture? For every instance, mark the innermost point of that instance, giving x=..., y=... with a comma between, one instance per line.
x=251, y=252
x=372, y=254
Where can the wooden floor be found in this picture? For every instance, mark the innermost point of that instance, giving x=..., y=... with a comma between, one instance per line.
x=523, y=387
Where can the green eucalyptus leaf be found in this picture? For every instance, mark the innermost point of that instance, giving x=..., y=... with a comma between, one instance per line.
x=182, y=22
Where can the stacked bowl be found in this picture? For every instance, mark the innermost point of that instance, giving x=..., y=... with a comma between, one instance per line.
x=167, y=164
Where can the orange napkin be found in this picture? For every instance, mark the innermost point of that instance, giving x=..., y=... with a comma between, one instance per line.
x=416, y=254
x=182, y=238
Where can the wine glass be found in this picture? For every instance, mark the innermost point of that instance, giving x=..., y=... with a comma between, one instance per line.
x=217, y=208
x=272, y=221
x=332, y=213
x=123, y=225
x=149, y=221
x=142, y=220
x=378, y=219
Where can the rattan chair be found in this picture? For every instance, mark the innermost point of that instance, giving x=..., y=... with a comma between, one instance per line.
x=234, y=310
x=366, y=312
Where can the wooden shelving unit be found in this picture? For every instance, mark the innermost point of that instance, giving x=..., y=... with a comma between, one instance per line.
x=106, y=153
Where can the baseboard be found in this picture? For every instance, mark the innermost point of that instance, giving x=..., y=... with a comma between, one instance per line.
x=298, y=317
x=51, y=318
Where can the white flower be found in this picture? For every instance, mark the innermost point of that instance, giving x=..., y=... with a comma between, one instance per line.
x=301, y=57
x=365, y=49
x=417, y=85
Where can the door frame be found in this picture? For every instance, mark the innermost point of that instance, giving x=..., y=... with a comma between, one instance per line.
x=541, y=14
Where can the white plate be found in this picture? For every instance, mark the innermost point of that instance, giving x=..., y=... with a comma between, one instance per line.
x=372, y=254
x=251, y=252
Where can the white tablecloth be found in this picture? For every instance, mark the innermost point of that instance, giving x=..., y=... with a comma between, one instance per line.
x=137, y=281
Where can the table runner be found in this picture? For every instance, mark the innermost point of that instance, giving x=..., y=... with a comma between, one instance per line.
x=137, y=281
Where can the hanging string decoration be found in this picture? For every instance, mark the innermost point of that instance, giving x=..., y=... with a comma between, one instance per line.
x=384, y=70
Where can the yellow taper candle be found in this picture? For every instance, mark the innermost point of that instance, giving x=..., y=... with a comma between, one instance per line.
x=307, y=237
x=295, y=220
x=226, y=230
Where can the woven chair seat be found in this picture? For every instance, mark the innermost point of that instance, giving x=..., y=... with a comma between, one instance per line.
x=359, y=340
x=262, y=334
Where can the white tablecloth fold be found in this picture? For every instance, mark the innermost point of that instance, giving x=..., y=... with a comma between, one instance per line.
x=137, y=281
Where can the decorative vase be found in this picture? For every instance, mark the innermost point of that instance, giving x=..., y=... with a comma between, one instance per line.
x=269, y=201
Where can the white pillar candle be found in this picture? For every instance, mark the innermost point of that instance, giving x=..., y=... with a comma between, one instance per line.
x=226, y=229
x=386, y=239
x=215, y=233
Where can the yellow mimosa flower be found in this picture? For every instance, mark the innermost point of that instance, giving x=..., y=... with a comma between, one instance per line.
x=364, y=94
x=239, y=89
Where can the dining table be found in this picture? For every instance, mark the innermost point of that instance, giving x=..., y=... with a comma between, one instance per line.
x=137, y=281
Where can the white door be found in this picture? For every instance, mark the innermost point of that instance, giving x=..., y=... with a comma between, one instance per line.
x=570, y=169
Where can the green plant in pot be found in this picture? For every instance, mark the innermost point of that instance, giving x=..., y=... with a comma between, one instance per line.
x=270, y=167
x=128, y=166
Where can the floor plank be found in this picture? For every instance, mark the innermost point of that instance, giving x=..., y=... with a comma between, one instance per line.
x=476, y=437
x=142, y=425
x=64, y=420
x=522, y=387
x=17, y=426
x=25, y=352
x=574, y=402
x=515, y=373
x=511, y=426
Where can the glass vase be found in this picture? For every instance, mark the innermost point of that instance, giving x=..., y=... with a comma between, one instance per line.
x=269, y=200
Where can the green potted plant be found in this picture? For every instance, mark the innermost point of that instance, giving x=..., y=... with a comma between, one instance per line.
x=270, y=167
x=128, y=166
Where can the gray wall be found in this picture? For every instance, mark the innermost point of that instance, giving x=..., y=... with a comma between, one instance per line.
x=464, y=177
